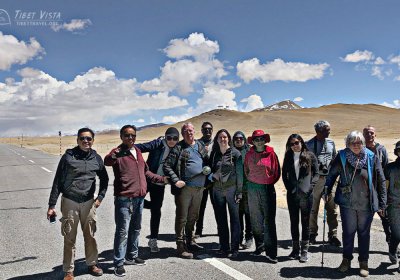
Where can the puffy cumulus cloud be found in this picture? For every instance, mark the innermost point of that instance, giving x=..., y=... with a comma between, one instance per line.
x=395, y=60
x=359, y=56
x=193, y=66
x=73, y=26
x=377, y=72
x=298, y=99
x=43, y=104
x=13, y=51
x=196, y=45
x=212, y=97
x=395, y=104
x=379, y=61
x=254, y=101
x=279, y=70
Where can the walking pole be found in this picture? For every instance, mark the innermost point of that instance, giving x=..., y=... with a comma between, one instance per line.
x=323, y=231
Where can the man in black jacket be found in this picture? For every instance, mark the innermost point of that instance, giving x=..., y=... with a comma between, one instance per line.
x=76, y=180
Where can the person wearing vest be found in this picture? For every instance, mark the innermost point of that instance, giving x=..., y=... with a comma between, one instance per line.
x=325, y=151
x=361, y=192
x=184, y=167
x=262, y=170
x=130, y=188
x=227, y=179
x=392, y=173
x=158, y=150
x=299, y=175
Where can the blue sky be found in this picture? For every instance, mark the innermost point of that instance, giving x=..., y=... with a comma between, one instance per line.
x=107, y=63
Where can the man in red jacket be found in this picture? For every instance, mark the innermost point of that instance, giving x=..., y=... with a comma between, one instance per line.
x=130, y=187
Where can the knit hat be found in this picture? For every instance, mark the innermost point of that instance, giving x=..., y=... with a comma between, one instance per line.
x=172, y=131
x=259, y=133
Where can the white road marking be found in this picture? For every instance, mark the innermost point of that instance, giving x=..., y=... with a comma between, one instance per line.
x=224, y=268
x=45, y=169
x=31, y=161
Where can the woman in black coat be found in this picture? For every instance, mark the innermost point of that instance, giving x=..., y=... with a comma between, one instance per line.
x=299, y=174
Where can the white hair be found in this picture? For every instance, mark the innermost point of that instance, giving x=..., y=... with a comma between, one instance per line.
x=353, y=137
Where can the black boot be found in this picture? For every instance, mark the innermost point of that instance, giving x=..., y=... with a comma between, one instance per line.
x=295, y=254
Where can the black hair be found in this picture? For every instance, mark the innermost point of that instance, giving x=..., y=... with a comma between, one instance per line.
x=305, y=158
x=215, y=147
x=206, y=123
x=121, y=131
x=85, y=129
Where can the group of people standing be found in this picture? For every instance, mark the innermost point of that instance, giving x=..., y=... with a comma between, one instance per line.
x=239, y=175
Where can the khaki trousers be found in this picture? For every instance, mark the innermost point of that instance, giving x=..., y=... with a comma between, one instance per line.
x=72, y=214
x=331, y=210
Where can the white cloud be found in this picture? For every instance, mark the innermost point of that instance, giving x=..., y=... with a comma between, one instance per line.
x=254, y=101
x=298, y=99
x=377, y=72
x=397, y=78
x=359, y=56
x=41, y=104
x=194, y=66
x=379, y=61
x=395, y=60
x=73, y=25
x=139, y=121
x=13, y=51
x=395, y=104
x=279, y=70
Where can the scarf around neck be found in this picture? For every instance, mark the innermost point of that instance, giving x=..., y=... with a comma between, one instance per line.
x=353, y=158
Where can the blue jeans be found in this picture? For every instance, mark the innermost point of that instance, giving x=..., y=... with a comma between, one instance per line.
x=223, y=197
x=356, y=221
x=128, y=220
x=262, y=206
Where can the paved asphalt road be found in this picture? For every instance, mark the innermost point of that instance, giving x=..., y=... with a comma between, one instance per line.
x=31, y=248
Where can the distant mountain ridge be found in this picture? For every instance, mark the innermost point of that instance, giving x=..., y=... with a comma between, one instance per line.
x=282, y=105
x=139, y=128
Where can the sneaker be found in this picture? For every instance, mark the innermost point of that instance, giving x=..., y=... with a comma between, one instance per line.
x=233, y=255
x=304, y=257
x=294, y=255
x=345, y=265
x=393, y=258
x=334, y=241
x=95, y=270
x=258, y=251
x=271, y=259
x=68, y=276
x=120, y=271
x=313, y=238
x=153, y=245
x=249, y=243
x=242, y=246
x=135, y=261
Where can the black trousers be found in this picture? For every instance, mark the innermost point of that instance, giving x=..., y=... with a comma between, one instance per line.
x=157, y=198
x=299, y=202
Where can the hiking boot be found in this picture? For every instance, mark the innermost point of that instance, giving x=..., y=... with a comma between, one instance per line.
x=120, y=271
x=345, y=265
x=334, y=241
x=304, y=251
x=393, y=258
x=259, y=250
x=68, y=276
x=135, y=261
x=182, y=251
x=248, y=244
x=193, y=246
x=295, y=254
x=364, y=269
x=153, y=245
x=313, y=238
x=233, y=255
x=95, y=270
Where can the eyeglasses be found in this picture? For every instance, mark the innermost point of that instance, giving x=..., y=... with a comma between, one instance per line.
x=133, y=136
x=356, y=143
x=87, y=138
x=170, y=138
x=259, y=139
x=294, y=143
x=238, y=139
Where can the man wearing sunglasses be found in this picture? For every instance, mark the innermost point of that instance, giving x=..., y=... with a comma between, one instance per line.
x=158, y=150
x=206, y=140
x=130, y=188
x=76, y=180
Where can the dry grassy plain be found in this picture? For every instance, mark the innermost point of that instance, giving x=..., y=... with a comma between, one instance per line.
x=279, y=124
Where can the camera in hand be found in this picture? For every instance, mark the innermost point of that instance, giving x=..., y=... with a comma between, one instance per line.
x=323, y=169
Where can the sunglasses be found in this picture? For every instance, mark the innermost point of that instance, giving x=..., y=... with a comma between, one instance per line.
x=238, y=139
x=294, y=143
x=259, y=139
x=170, y=138
x=133, y=136
x=87, y=138
x=207, y=129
